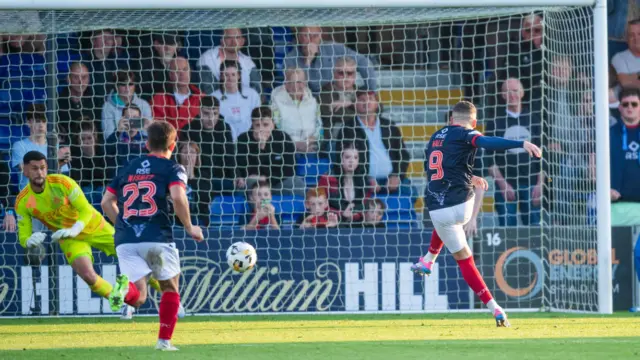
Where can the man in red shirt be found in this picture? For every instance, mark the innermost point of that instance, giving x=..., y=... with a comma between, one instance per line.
x=181, y=103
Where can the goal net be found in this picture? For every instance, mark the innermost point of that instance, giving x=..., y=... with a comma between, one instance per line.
x=303, y=132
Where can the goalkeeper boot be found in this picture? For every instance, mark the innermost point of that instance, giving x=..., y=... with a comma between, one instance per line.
x=422, y=268
x=165, y=345
x=501, y=318
x=119, y=292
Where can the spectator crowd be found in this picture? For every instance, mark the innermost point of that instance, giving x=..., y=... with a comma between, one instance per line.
x=243, y=134
x=240, y=137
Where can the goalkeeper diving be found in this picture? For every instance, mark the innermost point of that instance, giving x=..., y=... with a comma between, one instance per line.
x=58, y=202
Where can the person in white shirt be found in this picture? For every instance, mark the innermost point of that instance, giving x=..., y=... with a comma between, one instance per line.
x=627, y=63
x=296, y=111
x=236, y=100
x=229, y=49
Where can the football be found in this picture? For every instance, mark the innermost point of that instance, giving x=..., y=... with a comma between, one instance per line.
x=241, y=256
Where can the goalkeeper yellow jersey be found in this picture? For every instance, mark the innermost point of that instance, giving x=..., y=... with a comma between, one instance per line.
x=59, y=206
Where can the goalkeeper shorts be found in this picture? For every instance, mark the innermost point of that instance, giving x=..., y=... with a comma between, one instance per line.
x=74, y=249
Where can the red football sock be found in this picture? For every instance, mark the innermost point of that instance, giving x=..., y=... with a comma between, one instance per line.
x=436, y=243
x=474, y=279
x=133, y=295
x=169, y=305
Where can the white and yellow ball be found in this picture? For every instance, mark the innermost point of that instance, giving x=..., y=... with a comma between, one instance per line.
x=241, y=257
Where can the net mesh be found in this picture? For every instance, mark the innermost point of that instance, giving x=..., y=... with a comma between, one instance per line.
x=529, y=71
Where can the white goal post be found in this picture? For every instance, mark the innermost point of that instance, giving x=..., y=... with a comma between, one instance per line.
x=357, y=268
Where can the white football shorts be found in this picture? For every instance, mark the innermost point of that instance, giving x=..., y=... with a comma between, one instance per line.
x=449, y=223
x=136, y=260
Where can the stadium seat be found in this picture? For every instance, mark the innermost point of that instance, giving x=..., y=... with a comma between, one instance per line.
x=196, y=42
x=22, y=93
x=311, y=167
x=22, y=66
x=288, y=207
x=65, y=58
x=226, y=210
x=397, y=203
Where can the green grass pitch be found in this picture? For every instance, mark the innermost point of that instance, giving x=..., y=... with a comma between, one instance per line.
x=388, y=337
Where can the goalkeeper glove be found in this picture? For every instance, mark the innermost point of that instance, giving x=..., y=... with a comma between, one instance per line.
x=71, y=232
x=36, y=239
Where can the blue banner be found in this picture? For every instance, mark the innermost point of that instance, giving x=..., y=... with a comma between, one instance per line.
x=297, y=271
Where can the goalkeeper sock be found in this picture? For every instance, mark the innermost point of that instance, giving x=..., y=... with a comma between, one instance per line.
x=472, y=276
x=132, y=295
x=101, y=287
x=169, y=305
x=155, y=285
x=434, y=248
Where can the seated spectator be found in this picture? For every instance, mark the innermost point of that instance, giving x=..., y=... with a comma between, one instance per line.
x=517, y=177
x=524, y=60
x=23, y=32
x=37, y=141
x=154, y=65
x=318, y=214
x=373, y=213
x=122, y=96
x=89, y=164
x=627, y=63
x=181, y=104
x=22, y=44
x=382, y=150
x=318, y=59
x=198, y=188
x=346, y=186
x=625, y=161
x=263, y=214
x=267, y=154
x=102, y=61
x=77, y=101
x=338, y=98
x=129, y=139
x=213, y=137
x=209, y=63
x=296, y=111
x=236, y=101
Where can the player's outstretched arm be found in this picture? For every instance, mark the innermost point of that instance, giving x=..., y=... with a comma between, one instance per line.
x=109, y=206
x=497, y=144
x=181, y=206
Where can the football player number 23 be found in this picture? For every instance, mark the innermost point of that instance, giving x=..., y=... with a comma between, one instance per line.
x=132, y=191
x=435, y=163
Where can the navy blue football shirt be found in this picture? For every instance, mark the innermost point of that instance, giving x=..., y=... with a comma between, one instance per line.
x=142, y=189
x=450, y=157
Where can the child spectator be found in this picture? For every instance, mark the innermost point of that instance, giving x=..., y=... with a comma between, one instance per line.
x=123, y=95
x=37, y=140
x=317, y=215
x=263, y=214
x=346, y=185
x=236, y=101
x=373, y=212
x=128, y=141
x=189, y=156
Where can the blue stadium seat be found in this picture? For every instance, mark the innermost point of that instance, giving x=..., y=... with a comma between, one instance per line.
x=11, y=133
x=226, y=210
x=311, y=167
x=288, y=207
x=22, y=66
x=396, y=203
x=196, y=42
x=22, y=93
x=65, y=58
x=68, y=41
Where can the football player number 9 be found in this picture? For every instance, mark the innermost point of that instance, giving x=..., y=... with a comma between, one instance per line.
x=435, y=163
